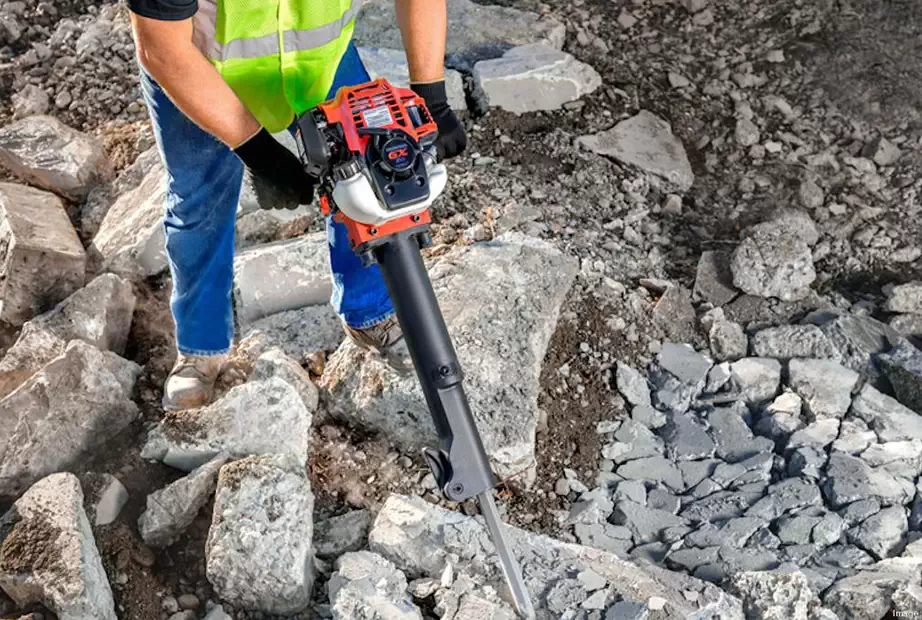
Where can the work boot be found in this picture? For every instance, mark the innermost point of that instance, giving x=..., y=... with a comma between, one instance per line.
x=191, y=382
x=386, y=339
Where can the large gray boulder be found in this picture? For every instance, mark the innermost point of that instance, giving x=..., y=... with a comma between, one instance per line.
x=173, y=509
x=42, y=260
x=392, y=65
x=646, y=141
x=256, y=418
x=72, y=406
x=99, y=314
x=280, y=276
x=534, y=77
x=48, y=554
x=130, y=240
x=500, y=301
x=772, y=262
x=258, y=553
x=475, y=32
x=849, y=479
x=420, y=539
x=49, y=154
x=366, y=586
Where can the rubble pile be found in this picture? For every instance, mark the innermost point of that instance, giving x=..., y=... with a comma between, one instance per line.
x=685, y=288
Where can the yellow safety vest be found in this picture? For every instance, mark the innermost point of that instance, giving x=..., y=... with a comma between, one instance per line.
x=279, y=56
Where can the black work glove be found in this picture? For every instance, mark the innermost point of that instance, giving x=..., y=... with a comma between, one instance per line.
x=452, y=140
x=279, y=179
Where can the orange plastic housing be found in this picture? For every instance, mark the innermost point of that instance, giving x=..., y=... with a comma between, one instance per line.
x=348, y=111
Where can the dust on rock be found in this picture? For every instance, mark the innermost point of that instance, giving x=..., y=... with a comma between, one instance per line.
x=28, y=544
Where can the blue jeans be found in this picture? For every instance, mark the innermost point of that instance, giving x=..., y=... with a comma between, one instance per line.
x=204, y=178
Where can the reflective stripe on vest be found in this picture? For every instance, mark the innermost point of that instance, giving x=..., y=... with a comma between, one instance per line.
x=279, y=56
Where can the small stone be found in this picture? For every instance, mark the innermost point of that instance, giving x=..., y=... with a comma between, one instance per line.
x=829, y=530
x=810, y=195
x=770, y=262
x=728, y=341
x=882, y=151
x=632, y=385
x=188, y=601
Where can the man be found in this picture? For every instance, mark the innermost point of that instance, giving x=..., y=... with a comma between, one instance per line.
x=218, y=77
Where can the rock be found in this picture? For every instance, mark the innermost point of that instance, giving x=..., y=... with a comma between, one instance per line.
x=753, y=469
x=850, y=479
x=719, y=506
x=775, y=595
x=784, y=497
x=300, y=332
x=854, y=436
x=908, y=325
x=500, y=301
x=274, y=363
x=829, y=530
x=534, y=77
x=366, y=586
x=867, y=595
x=886, y=416
x=188, y=602
x=420, y=539
x=646, y=141
x=906, y=298
x=218, y=613
x=733, y=438
x=99, y=314
x=48, y=555
x=900, y=458
x=338, y=535
x=392, y=65
x=258, y=554
x=634, y=441
x=130, y=240
x=807, y=461
x=72, y=406
x=797, y=222
x=171, y=510
x=728, y=341
x=614, y=539
x=281, y=276
x=903, y=367
x=627, y=610
x=790, y=341
x=747, y=133
x=686, y=438
x=675, y=315
x=858, y=339
x=477, y=31
x=685, y=363
x=648, y=416
x=653, y=469
x=111, y=498
x=882, y=534
x=51, y=155
x=102, y=197
x=256, y=418
x=713, y=280
x=770, y=262
x=796, y=530
x=41, y=258
x=882, y=151
x=818, y=435
x=858, y=511
x=810, y=195
x=30, y=101
x=632, y=385
x=826, y=386
x=757, y=379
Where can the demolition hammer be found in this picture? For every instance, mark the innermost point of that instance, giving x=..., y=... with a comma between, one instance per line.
x=373, y=148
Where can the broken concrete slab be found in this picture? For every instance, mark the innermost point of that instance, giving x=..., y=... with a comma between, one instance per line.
x=775, y=595
x=101, y=197
x=732, y=436
x=857, y=338
x=300, y=332
x=420, y=538
x=171, y=510
x=789, y=341
x=770, y=262
x=684, y=362
x=886, y=416
x=633, y=385
x=365, y=585
x=99, y=314
x=646, y=524
x=825, y=385
x=256, y=418
x=477, y=31
x=713, y=279
x=902, y=365
x=500, y=301
x=868, y=594
x=534, y=77
x=49, y=154
x=883, y=534
x=646, y=141
x=757, y=379
x=274, y=363
x=849, y=479
x=280, y=276
x=391, y=64
x=130, y=240
x=73, y=405
x=258, y=553
x=41, y=258
x=48, y=554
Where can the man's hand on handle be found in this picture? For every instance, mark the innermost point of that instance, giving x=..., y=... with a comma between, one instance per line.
x=279, y=178
x=452, y=140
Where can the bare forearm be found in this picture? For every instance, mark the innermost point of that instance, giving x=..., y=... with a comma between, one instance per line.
x=166, y=51
x=423, y=24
